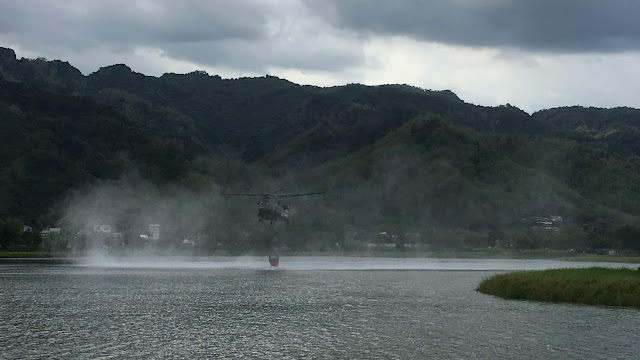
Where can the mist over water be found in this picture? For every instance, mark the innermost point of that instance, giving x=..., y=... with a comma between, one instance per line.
x=192, y=221
x=128, y=206
x=333, y=263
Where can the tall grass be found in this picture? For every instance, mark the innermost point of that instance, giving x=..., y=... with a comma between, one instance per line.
x=592, y=286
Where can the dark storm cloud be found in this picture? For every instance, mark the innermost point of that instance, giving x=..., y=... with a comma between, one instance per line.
x=76, y=23
x=540, y=25
x=254, y=36
x=246, y=35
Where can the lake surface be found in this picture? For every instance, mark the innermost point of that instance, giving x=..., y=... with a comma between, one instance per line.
x=310, y=307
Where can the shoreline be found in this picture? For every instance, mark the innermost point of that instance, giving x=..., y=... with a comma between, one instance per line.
x=39, y=260
x=6, y=257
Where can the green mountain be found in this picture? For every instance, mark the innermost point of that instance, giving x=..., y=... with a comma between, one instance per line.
x=251, y=116
x=392, y=158
x=430, y=173
x=617, y=130
x=50, y=143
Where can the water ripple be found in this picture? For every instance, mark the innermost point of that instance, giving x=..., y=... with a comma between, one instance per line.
x=70, y=312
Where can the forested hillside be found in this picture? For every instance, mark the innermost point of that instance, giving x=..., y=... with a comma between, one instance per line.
x=430, y=176
x=391, y=159
x=50, y=143
x=252, y=115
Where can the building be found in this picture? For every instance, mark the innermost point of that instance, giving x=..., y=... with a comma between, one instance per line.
x=548, y=223
x=555, y=219
x=102, y=229
x=51, y=231
x=154, y=231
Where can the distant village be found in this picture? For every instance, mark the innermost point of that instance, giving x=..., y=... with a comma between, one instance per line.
x=552, y=222
x=537, y=232
x=105, y=236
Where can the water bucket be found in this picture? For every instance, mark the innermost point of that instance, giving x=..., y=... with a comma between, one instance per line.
x=274, y=261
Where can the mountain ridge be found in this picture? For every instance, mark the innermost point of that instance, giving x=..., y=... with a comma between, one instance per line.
x=394, y=147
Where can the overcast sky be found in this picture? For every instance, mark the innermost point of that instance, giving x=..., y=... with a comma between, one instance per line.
x=533, y=54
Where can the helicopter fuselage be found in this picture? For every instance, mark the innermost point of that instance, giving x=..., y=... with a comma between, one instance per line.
x=272, y=212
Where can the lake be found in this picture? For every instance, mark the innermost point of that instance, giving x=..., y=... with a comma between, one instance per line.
x=310, y=307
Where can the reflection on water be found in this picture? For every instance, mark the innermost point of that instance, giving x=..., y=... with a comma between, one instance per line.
x=231, y=307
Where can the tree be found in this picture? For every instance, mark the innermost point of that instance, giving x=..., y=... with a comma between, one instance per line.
x=10, y=233
x=31, y=240
x=627, y=237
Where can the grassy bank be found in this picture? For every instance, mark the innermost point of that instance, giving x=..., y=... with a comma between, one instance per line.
x=591, y=286
x=444, y=254
x=30, y=254
x=605, y=258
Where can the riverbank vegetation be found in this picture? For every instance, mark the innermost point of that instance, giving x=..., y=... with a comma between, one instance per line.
x=590, y=286
x=604, y=258
x=30, y=254
x=15, y=236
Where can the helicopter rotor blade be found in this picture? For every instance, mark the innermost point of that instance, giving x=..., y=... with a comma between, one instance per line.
x=273, y=194
x=293, y=195
x=239, y=194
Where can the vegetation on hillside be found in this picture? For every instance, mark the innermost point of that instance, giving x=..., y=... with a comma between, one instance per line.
x=459, y=188
x=50, y=143
x=417, y=168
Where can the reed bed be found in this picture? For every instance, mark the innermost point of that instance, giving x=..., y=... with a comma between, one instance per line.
x=591, y=286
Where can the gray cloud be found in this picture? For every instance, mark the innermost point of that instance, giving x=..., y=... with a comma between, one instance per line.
x=539, y=25
x=534, y=53
x=254, y=36
x=79, y=23
x=248, y=35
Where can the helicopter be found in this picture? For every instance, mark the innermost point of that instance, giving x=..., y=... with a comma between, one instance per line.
x=273, y=211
